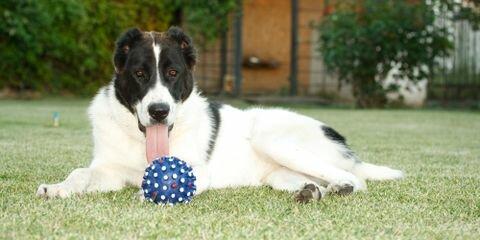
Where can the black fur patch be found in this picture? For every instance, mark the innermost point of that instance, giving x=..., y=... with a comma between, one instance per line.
x=141, y=127
x=214, y=113
x=177, y=53
x=333, y=135
x=185, y=43
x=134, y=53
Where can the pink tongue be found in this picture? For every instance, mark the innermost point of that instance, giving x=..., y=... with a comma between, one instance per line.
x=157, y=141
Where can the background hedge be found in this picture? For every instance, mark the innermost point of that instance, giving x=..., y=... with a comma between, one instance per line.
x=65, y=46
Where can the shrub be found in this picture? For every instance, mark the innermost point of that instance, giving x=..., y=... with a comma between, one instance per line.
x=363, y=40
x=206, y=19
x=66, y=45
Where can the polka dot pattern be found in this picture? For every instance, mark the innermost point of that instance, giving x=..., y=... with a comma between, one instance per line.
x=168, y=180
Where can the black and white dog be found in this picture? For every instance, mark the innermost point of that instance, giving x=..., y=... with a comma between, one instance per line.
x=226, y=146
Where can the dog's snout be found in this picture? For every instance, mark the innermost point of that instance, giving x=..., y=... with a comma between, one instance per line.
x=158, y=111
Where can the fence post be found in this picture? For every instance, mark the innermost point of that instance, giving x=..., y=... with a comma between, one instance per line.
x=294, y=49
x=223, y=58
x=237, y=67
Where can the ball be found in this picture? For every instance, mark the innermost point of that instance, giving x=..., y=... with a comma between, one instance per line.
x=168, y=180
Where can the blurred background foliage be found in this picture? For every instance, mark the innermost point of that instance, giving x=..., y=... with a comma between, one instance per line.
x=65, y=46
x=362, y=40
x=204, y=19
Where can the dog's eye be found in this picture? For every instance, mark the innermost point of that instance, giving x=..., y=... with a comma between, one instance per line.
x=139, y=73
x=172, y=73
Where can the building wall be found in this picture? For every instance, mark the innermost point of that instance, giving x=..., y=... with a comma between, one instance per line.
x=310, y=75
x=266, y=35
x=323, y=83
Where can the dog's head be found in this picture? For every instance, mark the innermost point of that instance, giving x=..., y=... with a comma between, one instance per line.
x=154, y=73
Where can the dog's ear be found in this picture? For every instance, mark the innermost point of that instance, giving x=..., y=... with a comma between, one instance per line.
x=123, y=45
x=185, y=43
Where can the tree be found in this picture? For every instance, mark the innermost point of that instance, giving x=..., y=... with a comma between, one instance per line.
x=66, y=46
x=205, y=20
x=362, y=41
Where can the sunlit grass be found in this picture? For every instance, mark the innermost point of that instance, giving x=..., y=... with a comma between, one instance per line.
x=440, y=198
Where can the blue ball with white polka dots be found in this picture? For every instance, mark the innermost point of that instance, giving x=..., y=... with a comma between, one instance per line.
x=168, y=180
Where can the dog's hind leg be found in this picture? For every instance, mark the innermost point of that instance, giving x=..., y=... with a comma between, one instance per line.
x=298, y=143
x=287, y=180
x=290, y=152
x=286, y=154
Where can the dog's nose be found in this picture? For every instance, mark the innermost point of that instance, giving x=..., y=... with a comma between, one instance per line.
x=158, y=111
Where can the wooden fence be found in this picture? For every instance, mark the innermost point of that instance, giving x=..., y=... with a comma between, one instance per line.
x=458, y=77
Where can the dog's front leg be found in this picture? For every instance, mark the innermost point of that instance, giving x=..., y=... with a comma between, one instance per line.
x=82, y=180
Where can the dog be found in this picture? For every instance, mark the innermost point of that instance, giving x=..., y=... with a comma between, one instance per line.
x=227, y=147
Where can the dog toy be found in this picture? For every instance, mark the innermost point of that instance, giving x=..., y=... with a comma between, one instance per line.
x=167, y=179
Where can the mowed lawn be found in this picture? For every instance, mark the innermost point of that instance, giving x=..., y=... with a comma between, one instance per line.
x=439, y=199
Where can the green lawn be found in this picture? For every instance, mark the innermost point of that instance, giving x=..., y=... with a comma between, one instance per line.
x=440, y=198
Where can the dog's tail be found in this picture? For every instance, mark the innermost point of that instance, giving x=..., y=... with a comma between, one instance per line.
x=375, y=172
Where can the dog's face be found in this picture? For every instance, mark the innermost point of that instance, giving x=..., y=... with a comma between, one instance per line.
x=154, y=74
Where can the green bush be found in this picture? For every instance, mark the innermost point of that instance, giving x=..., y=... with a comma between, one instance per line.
x=205, y=19
x=66, y=45
x=364, y=40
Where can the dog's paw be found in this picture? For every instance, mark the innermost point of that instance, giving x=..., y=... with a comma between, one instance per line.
x=308, y=193
x=304, y=196
x=397, y=174
x=346, y=187
x=53, y=190
x=342, y=188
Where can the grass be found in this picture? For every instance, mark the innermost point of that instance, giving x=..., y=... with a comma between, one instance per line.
x=440, y=198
